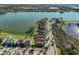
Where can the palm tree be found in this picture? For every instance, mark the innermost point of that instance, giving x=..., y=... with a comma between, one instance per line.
x=0, y=31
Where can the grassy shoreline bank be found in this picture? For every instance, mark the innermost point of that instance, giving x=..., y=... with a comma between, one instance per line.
x=66, y=45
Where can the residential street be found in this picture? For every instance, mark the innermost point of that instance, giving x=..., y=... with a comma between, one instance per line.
x=52, y=49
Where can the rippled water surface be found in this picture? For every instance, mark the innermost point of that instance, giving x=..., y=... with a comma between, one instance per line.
x=19, y=22
x=72, y=30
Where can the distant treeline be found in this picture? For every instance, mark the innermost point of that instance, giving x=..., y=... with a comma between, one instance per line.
x=3, y=10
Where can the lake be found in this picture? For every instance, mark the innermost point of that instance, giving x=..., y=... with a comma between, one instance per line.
x=72, y=30
x=19, y=22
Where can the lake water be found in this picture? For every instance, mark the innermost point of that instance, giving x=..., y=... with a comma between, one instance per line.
x=72, y=30
x=19, y=22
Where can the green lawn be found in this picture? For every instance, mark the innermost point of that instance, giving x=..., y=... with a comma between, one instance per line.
x=16, y=35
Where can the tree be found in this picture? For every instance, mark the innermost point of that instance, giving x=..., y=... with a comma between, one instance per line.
x=30, y=30
x=0, y=31
x=57, y=21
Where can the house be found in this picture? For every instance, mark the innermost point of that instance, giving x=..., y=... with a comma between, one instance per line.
x=39, y=40
x=41, y=33
x=39, y=44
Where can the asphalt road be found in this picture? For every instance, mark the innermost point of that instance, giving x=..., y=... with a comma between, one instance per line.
x=52, y=49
